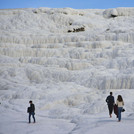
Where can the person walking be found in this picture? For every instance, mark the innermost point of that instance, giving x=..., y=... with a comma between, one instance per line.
x=31, y=111
x=120, y=104
x=110, y=103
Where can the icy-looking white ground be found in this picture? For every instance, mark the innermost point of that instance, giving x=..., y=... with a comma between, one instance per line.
x=66, y=61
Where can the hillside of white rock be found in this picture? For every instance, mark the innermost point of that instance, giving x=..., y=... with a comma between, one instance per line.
x=66, y=61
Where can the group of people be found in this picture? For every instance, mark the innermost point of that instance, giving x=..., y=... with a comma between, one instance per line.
x=110, y=101
x=112, y=105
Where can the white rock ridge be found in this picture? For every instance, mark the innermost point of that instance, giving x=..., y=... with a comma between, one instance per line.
x=40, y=46
x=44, y=44
x=66, y=61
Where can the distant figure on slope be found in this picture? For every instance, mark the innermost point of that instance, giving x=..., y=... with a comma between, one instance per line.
x=110, y=103
x=120, y=104
x=31, y=111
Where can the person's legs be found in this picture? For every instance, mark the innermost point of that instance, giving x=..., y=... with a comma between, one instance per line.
x=110, y=107
x=29, y=117
x=119, y=113
x=33, y=116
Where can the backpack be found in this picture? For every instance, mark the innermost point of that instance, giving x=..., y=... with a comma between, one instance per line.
x=28, y=110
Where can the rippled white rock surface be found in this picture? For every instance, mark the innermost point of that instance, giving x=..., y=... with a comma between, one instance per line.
x=67, y=61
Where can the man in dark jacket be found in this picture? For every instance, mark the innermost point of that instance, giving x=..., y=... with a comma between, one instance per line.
x=31, y=111
x=110, y=103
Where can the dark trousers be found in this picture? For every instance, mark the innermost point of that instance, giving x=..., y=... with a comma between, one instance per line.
x=31, y=113
x=110, y=108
